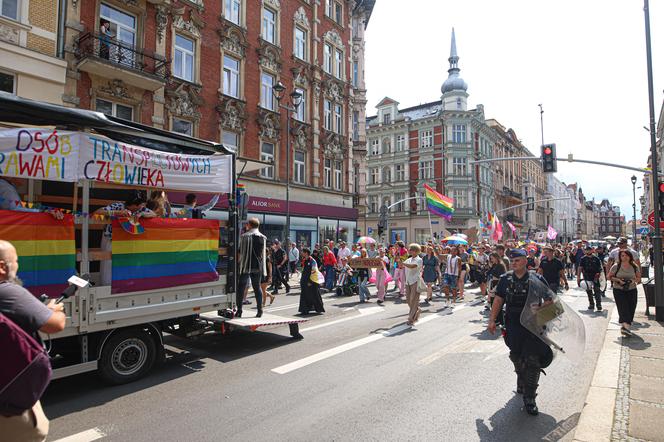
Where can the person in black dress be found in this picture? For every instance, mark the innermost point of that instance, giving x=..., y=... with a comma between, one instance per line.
x=310, y=298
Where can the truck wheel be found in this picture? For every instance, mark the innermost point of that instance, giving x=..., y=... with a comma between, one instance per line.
x=127, y=356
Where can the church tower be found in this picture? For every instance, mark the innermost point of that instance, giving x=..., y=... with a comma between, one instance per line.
x=454, y=88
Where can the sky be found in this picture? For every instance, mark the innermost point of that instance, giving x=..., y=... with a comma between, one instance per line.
x=583, y=60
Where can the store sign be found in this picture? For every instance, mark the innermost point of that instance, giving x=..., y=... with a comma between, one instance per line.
x=265, y=204
x=365, y=263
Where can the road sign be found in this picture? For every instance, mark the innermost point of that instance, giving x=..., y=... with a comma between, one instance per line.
x=644, y=222
x=651, y=221
x=369, y=230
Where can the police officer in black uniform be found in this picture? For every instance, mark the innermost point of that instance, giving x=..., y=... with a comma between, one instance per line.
x=591, y=267
x=528, y=353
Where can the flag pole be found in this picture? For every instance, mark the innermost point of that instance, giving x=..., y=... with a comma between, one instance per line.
x=430, y=225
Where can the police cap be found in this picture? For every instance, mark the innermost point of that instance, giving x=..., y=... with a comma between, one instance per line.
x=517, y=253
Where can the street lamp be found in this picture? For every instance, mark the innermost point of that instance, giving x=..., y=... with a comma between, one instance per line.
x=296, y=100
x=634, y=213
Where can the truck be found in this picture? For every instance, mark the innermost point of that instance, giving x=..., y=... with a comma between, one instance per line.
x=74, y=161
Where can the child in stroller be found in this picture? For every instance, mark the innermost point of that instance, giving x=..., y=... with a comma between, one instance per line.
x=346, y=280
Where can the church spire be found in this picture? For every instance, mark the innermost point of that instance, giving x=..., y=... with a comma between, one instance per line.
x=454, y=82
x=454, y=57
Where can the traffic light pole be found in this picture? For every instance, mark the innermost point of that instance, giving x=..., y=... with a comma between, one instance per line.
x=657, y=237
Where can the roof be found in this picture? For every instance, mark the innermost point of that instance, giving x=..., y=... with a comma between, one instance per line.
x=385, y=101
x=415, y=112
x=18, y=110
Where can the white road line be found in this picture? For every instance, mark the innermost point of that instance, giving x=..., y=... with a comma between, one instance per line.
x=363, y=312
x=84, y=436
x=350, y=345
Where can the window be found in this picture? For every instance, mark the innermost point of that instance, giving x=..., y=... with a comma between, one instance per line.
x=298, y=172
x=374, y=147
x=398, y=201
x=114, y=109
x=338, y=12
x=460, y=198
x=267, y=96
x=373, y=204
x=387, y=118
x=459, y=166
x=327, y=58
x=9, y=9
x=7, y=83
x=268, y=29
x=327, y=115
x=338, y=168
x=458, y=103
x=329, y=8
x=231, y=76
x=387, y=145
x=338, y=63
x=426, y=138
x=183, y=126
x=123, y=29
x=267, y=155
x=459, y=133
x=356, y=125
x=356, y=74
x=399, y=172
x=338, y=119
x=375, y=172
x=231, y=140
x=300, y=50
x=387, y=175
x=425, y=170
x=301, y=113
x=232, y=12
x=401, y=143
x=183, y=64
x=327, y=173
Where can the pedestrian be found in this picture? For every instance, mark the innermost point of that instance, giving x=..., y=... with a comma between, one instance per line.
x=159, y=204
x=363, y=279
x=533, y=261
x=279, y=267
x=625, y=275
x=450, y=279
x=430, y=272
x=400, y=255
x=413, y=270
x=590, y=267
x=464, y=257
x=372, y=252
x=553, y=270
x=500, y=249
x=105, y=36
x=381, y=273
x=293, y=258
x=344, y=252
x=496, y=270
x=309, y=290
x=252, y=265
x=528, y=353
x=266, y=279
x=21, y=307
x=191, y=208
x=329, y=263
x=316, y=254
x=481, y=269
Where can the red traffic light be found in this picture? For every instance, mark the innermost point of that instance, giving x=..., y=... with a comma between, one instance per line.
x=547, y=151
x=661, y=187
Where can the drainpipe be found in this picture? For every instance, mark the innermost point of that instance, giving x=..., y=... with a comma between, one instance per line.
x=62, y=17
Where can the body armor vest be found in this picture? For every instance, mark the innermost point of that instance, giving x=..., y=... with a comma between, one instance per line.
x=517, y=293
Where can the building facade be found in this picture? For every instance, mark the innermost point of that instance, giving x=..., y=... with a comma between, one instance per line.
x=610, y=222
x=209, y=69
x=31, y=51
x=562, y=212
x=431, y=144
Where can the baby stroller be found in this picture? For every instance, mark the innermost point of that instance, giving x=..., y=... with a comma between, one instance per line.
x=347, y=284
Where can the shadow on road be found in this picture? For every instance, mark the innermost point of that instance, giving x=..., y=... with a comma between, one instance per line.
x=512, y=423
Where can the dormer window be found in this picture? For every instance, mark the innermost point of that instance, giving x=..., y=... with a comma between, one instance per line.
x=387, y=118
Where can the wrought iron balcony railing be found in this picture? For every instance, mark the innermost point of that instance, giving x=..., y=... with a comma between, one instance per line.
x=123, y=54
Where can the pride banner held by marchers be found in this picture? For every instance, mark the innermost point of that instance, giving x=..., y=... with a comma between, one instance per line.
x=46, y=249
x=169, y=253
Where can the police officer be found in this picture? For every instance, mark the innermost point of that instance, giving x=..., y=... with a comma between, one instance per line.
x=528, y=353
x=590, y=266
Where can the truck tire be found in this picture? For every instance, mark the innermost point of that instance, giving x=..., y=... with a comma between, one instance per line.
x=127, y=356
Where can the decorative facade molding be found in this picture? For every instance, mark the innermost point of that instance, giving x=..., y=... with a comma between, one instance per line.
x=161, y=19
x=333, y=38
x=9, y=34
x=269, y=56
x=116, y=88
x=184, y=101
x=333, y=90
x=193, y=26
x=274, y=4
x=333, y=146
x=233, y=38
x=301, y=19
x=233, y=113
x=269, y=125
x=301, y=137
x=301, y=76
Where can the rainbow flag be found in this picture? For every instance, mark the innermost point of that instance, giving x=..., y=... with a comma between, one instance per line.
x=46, y=249
x=439, y=204
x=169, y=253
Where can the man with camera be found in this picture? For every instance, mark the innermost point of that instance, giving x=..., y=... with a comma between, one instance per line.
x=26, y=311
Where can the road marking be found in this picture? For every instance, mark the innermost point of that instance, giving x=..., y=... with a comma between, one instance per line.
x=84, y=436
x=363, y=312
x=289, y=306
x=350, y=345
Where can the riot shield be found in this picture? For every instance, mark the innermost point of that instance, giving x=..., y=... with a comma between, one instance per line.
x=549, y=318
x=602, y=281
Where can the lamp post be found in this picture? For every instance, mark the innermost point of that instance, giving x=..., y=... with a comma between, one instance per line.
x=296, y=100
x=634, y=246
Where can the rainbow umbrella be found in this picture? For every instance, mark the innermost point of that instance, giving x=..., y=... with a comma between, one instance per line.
x=455, y=240
x=366, y=240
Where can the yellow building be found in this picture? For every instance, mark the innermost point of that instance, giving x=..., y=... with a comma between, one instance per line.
x=31, y=63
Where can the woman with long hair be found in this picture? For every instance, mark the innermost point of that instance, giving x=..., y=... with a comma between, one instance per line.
x=625, y=275
x=363, y=279
x=329, y=262
x=159, y=204
x=430, y=273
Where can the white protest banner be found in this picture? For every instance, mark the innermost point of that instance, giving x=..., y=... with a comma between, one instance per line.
x=44, y=154
x=108, y=161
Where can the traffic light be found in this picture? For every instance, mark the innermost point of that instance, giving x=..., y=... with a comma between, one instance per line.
x=531, y=204
x=660, y=188
x=381, y=229
x=549, y=164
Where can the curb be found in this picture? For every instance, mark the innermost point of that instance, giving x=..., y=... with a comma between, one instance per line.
x=596, y=420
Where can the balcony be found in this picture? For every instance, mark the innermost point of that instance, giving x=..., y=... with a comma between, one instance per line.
x=510, y=194
x=114, y=59
x=513, y=219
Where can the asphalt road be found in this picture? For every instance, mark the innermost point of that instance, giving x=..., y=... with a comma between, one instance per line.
x=359, y=374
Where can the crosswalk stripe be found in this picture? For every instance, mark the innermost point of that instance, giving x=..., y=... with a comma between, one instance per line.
x=84, y=436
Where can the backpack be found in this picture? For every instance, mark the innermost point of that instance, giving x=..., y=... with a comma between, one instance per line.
x=25, y=371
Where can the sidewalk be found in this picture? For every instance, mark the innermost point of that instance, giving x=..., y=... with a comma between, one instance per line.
x=626, y=397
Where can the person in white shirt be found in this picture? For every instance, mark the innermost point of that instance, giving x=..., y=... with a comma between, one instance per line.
x=622, y=245
x=344, y=252
x=451, y=275
x=372, y=252
x=293, y=258
x=413, y=269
